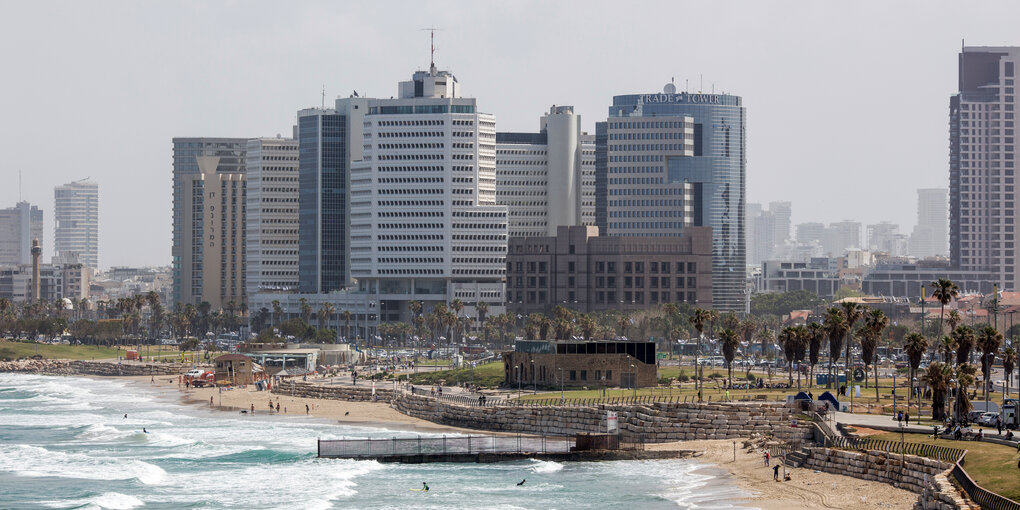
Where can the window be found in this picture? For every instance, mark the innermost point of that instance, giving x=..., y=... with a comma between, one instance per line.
x=692, y=267
x=584, y=375
x=609, y=375
x=628, y=267
x=571, y=249
x=598, y=375
x=570, y=266
x=611, y=267
x=573, y=375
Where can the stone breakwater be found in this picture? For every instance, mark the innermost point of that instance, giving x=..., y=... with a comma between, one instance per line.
x=921, y=475
x=654, y=422
x=105, y=368
x=333, y=392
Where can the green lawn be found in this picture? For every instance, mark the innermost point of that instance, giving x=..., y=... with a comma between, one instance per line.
x=486, y=374
x=992, y=466
x=15, y=350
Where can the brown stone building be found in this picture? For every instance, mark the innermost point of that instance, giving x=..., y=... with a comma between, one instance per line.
x=586, y=272
x=573, y=364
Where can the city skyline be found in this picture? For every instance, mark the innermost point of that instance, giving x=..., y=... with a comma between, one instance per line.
x=214, y=97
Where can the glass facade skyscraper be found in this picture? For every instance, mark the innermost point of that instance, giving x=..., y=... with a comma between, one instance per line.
x=322, y=201
x=668, y=161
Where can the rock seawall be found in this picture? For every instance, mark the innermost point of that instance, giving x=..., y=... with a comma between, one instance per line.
x=920, y=475
x=656, y=422
x=333, y=392
x=104, y=368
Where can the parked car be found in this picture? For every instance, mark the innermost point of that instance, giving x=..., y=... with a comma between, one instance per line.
x=987, y=419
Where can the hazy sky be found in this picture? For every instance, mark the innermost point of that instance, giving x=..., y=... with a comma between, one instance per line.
x=846, y=101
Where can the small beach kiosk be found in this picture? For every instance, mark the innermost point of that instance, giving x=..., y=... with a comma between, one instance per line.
x=234, y=368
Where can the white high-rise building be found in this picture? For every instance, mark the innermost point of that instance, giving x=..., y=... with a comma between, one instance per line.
x=76, y=212
x=930, y=237
x=271, y=215
x=547, y=179
x=782, y=211
x=19, y=225
x=424, y=220
x=842, y=236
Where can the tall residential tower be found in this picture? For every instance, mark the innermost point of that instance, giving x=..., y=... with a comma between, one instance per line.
x=208, y=233
x=982, y=158
x=76, y=214
x=19, y=225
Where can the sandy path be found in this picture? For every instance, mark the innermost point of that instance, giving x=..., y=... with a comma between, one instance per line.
x=806, y=489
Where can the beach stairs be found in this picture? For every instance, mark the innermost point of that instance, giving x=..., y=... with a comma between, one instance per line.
x=797, y=458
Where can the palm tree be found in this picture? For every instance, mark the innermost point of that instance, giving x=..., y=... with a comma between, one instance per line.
x=937, y=378
x=945, y=291
x=954, y=319
x=875, y=323
x=346, y=316
x=698, y=320
x=990, y=341
x=788, y=339
x=836, y=327
x=457, y=306
x=965, y=339
x=948, y=347
x=1009, y=360
x=325, y=314
x=816, y=333
x=306, y=310
x=622, y=322
x=964, y=378
x=853, y=313
x=767, y=339
x=730, y=344
x=916, y=346
x=277, y=313
x=482, y=308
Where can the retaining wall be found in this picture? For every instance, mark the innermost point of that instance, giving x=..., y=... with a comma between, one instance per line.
x=908, y=472
x=654, y=422
x=333, y=392
x=105, y=368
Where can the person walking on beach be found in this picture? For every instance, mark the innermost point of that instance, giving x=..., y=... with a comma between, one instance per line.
x=253, y=409
x=306, y=409
x=767, y=458
x=775, y=472
x=278, y=407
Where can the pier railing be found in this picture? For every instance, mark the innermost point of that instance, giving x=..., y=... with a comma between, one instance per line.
x=445, y=445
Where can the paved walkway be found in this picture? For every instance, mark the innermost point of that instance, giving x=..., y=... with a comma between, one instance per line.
x=883, y=421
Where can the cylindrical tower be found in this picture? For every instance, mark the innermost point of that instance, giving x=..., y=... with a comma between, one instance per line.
x=563, y=202
x=36, y=253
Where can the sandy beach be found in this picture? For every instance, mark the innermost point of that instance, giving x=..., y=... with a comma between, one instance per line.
x=365, y=414
x=807, y=489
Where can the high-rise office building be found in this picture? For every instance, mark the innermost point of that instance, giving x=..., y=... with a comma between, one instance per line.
x=671, y=161
x=329, y=140
x=841, y=236
x=811, y=232
x=19, y=225
x=982, y=157
x=271, y=215
x=424, y=220
x=208, y=223
x=886, y=237
x=782, y=211
x=76, y=215
x=930, y=237
x=547, y=179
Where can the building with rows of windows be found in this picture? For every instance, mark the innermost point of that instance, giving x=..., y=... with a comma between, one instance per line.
x=547, y=179
x=586, y=272
x=271, y=223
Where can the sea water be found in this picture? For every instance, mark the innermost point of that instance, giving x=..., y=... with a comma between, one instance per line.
x=65, y=443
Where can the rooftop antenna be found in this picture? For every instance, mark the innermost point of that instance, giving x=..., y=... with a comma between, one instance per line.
x=432, y=47
x=323, y=96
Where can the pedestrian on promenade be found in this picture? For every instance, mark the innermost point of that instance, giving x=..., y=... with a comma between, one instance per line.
x=775, y=472
x=906, y=418
x=998, y=424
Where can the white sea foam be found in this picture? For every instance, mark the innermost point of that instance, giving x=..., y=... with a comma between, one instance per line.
x=545, y=466
x=117, y=501
x=34, y=461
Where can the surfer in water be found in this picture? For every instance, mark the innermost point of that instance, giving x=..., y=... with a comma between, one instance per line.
x=424, y=487
x=520, y=483
x=143, y=430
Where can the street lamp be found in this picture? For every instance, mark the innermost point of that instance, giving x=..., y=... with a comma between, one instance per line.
x=917, y=389
x=520, y=369
x=534, y=384
x=952, y=391
x=561, y=384
x=633, y=382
